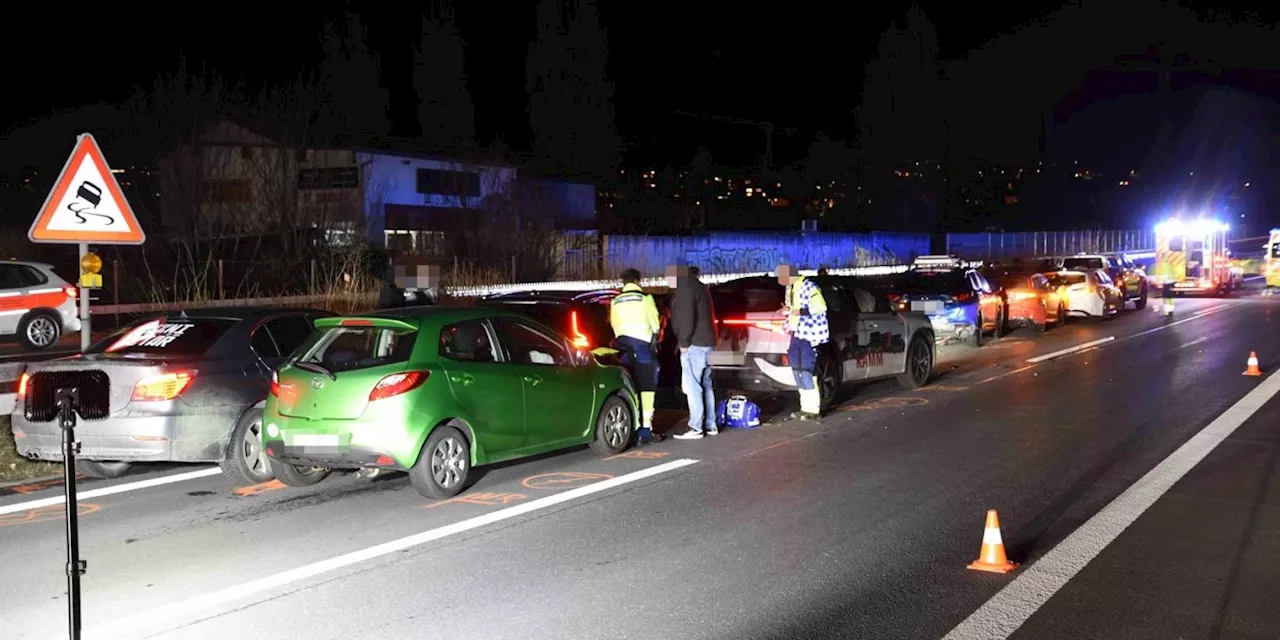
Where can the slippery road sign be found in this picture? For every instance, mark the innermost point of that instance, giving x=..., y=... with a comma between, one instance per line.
x=86, y=204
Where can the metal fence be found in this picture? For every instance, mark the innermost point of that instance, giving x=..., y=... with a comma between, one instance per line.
x=1047, y=244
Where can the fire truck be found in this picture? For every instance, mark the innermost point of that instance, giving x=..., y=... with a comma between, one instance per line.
x=1192, y=255
x=1273, y=260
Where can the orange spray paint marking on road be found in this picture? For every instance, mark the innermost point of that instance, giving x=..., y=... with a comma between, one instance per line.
x=45, y=514
x=259, y=489
x=483, y=499
x=885, y=403
x=942, y=387
x=33, y=487
x=562, y=479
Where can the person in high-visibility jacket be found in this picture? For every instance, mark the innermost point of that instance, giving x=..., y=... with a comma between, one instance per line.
x=809, y=329
x=636, y=327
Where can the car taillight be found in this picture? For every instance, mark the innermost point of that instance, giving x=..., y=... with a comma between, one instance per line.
x=579, y=340
x=964, y=297
x=70, y=291
x=1021, y=295
x=398, y=383
x=275, y=384
x=767, y=325
x=165, y=386
x=357, y=323
x=22, y=385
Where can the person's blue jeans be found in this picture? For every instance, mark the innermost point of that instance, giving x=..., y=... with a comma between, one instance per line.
x=695, y=380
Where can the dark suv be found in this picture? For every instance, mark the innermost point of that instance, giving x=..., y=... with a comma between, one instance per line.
x=583, y=316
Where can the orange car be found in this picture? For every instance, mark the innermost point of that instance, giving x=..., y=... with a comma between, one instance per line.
x=1032, y=301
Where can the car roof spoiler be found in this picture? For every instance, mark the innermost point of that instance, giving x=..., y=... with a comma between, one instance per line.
x=364, y=321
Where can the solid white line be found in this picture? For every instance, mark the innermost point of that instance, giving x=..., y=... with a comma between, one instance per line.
x=1177, y=322
x=107, y=491
x=1070, y=350
x=129, y=626
x=1000, y=616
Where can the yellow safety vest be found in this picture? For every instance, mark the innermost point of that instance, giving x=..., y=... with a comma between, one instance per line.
x=633, y=313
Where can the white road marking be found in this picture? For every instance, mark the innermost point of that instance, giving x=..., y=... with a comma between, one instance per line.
x=107, y=491
x=1070, y=350
x=131, y=626
x=1177, y=322
x=1005, y=612
x=1007, y=373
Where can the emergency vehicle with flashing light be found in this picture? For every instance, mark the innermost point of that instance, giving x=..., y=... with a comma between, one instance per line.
x=1273, y=259
x=1192, y=255
x=35, y=304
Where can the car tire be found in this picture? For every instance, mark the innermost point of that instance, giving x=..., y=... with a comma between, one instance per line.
x=446, y=479
x=1062, y=316
x=245, y=462
x=1141, y=302
x=998, y=331
x=615, y=426
x=976, y=340
x=102, y=469
x=919, y=364
x=828, y=379
x=39, y=331
x=1040, y=327
x=296, y=476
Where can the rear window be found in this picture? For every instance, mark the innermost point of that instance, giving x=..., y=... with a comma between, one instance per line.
x=591, y=319
x=350, y=348
x=167, y=336
x=1083, y=263
x=735, y=298
x=949, y=282
x=1064, y=280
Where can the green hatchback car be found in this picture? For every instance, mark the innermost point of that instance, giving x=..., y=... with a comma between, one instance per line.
x=437, y=391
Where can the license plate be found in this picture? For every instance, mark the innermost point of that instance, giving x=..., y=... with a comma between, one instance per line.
x=314, y=440
x=927, y=306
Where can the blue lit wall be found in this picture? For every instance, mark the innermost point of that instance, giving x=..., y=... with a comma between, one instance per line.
x=744, y=252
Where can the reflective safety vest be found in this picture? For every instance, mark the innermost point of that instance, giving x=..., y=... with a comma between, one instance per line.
x=805, y=295
x=633, y=313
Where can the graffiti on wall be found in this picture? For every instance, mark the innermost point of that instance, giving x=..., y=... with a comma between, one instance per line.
x=754, y=259
x=717, y=260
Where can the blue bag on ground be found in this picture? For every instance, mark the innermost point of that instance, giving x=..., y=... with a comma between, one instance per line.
x=737, y=412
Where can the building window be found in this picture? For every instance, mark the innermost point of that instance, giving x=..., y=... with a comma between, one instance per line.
x=226, y=191
x=438, y=182
x=329, y=178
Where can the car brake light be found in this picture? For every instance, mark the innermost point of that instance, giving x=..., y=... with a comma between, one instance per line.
x=964, y=297
x=165, y=386
x=70, y=291
x=398, y=383
x=1021, y=295
x=579, y=340
x=767, y=325
x=22, y=385
x=275, y=384
x=357, y=323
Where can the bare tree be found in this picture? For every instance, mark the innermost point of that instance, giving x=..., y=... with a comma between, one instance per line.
x=570, y=95
x=445, y=112
x=355, y=104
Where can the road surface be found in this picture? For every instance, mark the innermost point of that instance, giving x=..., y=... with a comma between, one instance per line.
x=859, y=526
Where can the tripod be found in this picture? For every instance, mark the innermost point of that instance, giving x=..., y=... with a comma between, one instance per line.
x=68, y=401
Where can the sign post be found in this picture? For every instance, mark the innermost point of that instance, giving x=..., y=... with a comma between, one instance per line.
x=87, y=206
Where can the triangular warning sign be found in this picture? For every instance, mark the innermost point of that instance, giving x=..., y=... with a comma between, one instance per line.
x=86, y=204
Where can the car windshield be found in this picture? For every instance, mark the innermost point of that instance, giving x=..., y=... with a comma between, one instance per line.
x=1083, y=263
x=166, y=336
x=948, y=282
x=349, y=348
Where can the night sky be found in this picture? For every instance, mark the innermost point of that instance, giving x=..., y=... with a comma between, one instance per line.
x=797, y=67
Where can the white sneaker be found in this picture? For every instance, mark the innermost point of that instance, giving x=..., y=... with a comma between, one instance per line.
x=712, y=432
x=689, y=435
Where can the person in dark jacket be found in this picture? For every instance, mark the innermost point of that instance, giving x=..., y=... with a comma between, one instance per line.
x=694, y=325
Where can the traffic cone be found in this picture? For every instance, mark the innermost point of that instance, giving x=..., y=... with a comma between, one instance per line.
x=992, y=557
x=1253, y=369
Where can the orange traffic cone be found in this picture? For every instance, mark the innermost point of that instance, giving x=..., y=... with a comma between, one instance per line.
x=1253, y=369
x=992, y=557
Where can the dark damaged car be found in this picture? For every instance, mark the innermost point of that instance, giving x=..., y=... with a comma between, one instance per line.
x=185, y=387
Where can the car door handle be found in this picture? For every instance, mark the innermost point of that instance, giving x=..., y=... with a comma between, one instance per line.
x=465, y=378
x=534, y=380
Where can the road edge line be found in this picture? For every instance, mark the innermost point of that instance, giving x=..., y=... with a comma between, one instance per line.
x=1006, y=611
x=149, y=619
x=107, y=491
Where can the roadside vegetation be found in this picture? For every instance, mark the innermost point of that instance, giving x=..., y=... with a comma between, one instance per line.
x=14, y=467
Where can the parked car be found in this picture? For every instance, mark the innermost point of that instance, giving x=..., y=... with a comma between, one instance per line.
x=870, y=338
x=36, y=305
x=186, y=386
x=1032, y=301
x=1088, y=293
x=437, y=391
x=1128, y=277
x=960, y=303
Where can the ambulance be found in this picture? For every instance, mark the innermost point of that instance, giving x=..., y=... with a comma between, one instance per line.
x=1192, y=255
x=1273, y=260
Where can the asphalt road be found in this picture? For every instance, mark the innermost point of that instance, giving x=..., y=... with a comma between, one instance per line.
x=856, y=527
